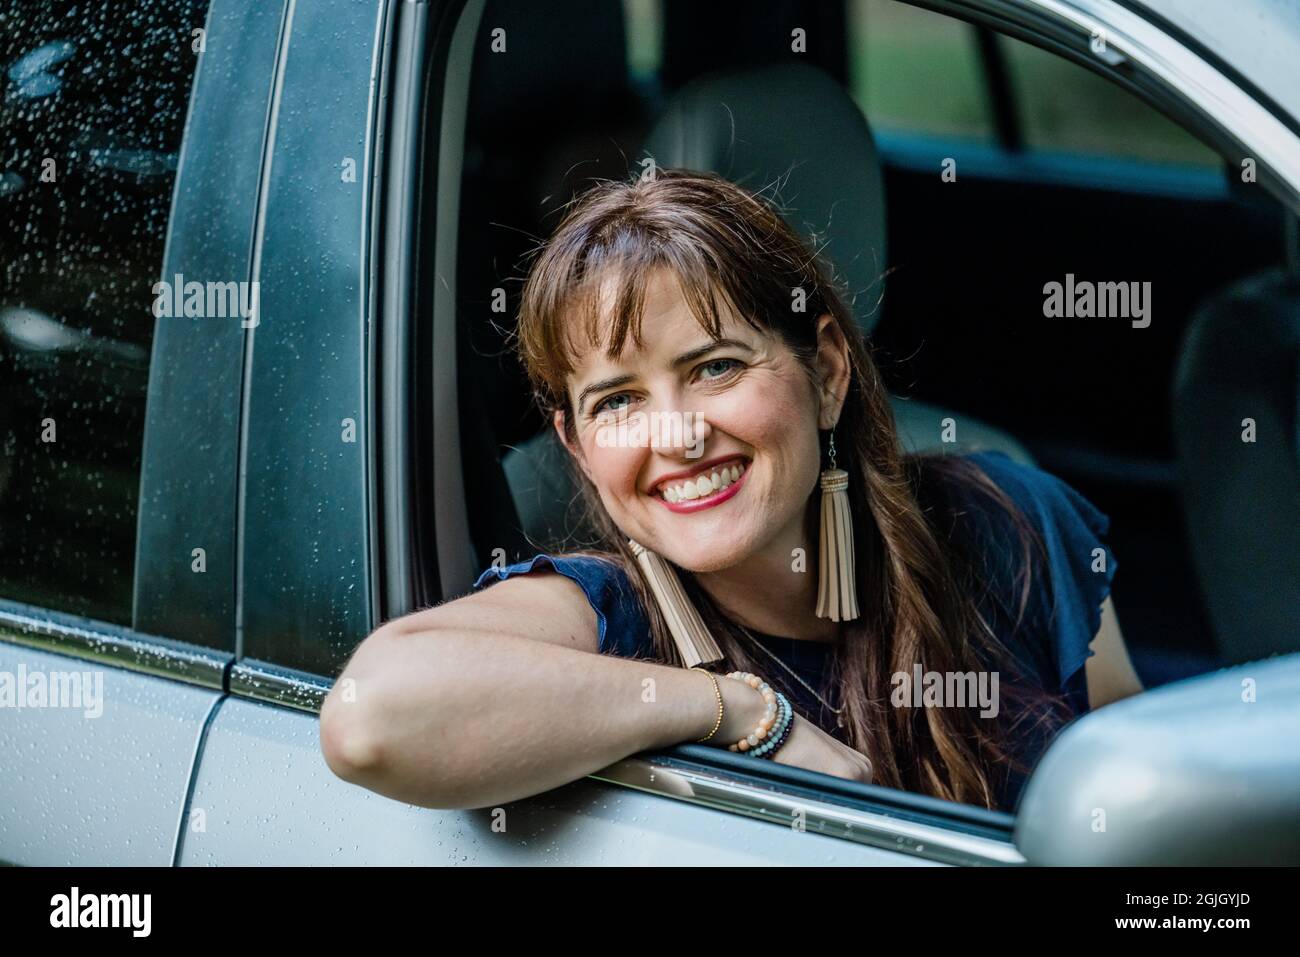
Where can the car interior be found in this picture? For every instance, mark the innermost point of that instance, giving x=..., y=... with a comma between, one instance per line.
x=947, y=273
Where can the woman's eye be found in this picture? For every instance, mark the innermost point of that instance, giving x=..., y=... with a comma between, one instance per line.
x=725, y=365
x=604, y=404
x=713, y=370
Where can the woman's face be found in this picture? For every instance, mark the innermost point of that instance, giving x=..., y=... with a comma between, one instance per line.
x=705, y=452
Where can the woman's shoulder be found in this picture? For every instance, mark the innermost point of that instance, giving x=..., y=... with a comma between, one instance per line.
x=1050, y=502
x=1071, y=564
x=1046, y=500
x=624, y=628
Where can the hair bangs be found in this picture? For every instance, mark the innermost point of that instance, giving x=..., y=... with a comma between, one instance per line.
x=601, y=302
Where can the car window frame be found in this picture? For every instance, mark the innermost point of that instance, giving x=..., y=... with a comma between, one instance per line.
x=307, y=568
x=188, y=489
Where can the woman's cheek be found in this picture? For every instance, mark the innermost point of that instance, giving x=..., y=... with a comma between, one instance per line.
x=740, y=411
x=614, y=471
x=767, y=415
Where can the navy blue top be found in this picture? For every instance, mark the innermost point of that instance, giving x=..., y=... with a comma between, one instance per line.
x=1062, y=616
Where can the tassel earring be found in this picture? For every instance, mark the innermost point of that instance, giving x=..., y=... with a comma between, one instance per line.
x=837, y=588
x=689, y=632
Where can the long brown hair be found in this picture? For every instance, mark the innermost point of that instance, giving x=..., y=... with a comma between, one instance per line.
x=918, y=597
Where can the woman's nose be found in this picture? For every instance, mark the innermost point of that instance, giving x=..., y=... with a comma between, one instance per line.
x=682, y=432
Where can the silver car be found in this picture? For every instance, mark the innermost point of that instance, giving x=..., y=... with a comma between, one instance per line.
x=255, y=396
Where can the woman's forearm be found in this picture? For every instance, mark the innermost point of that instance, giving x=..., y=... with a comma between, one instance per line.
x=460, y=719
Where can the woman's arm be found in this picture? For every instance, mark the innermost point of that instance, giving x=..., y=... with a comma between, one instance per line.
x=1109, y=671
x=501, y=694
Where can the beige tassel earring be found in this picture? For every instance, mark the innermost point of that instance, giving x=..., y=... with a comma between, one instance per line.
x=691, y=635
x=837, y=589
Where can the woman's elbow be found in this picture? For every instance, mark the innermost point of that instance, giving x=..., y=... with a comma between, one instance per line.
x=350, y=729
x=350, y=750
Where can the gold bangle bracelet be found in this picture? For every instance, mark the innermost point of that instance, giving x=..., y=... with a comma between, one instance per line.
x=718, y=693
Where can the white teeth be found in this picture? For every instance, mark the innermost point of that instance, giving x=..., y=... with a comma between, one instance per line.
x=702, y=485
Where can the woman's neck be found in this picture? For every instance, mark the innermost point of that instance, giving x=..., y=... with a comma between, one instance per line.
x=772, y=592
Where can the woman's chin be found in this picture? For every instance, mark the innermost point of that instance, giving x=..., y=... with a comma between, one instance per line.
x=704, y=542
x=708, y=553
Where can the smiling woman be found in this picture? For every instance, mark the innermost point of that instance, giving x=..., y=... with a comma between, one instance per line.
x=683, y=296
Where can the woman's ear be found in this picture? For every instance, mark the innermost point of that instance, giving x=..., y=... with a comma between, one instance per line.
x=558, y=421
x=834, y=370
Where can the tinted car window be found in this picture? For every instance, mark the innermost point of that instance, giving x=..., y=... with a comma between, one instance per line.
x=1064, y=107
x=914, y=71
x=91, y=119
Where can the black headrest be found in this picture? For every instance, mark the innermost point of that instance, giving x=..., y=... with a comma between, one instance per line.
x=793, y=126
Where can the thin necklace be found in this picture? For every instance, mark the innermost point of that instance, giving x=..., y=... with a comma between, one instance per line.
x=838, y=712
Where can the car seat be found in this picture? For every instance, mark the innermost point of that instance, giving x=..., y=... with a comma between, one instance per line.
x=1240, y=360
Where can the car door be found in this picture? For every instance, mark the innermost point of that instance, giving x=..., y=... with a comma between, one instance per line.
x=132, y=149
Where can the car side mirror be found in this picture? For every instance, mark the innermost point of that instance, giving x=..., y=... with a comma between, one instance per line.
x=1204, y=771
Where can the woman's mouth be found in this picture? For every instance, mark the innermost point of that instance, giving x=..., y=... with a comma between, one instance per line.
x=704, y=489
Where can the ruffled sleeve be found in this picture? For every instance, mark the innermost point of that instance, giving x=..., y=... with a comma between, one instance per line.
x=1080, y=568
x=624, y=629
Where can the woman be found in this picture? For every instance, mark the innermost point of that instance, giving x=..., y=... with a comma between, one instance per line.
x=684, y=300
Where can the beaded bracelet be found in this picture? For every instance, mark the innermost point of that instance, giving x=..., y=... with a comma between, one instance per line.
x=755, y=737
x=762, y=741
x=779, y=732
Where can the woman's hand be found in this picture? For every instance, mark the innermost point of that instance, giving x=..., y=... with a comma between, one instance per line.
x=811, y=748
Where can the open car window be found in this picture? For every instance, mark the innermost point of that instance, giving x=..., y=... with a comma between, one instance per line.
x=977, y=234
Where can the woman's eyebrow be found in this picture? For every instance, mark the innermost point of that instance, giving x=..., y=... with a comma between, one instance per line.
x=601, y=386
x=683, y=359
x=708, y=347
